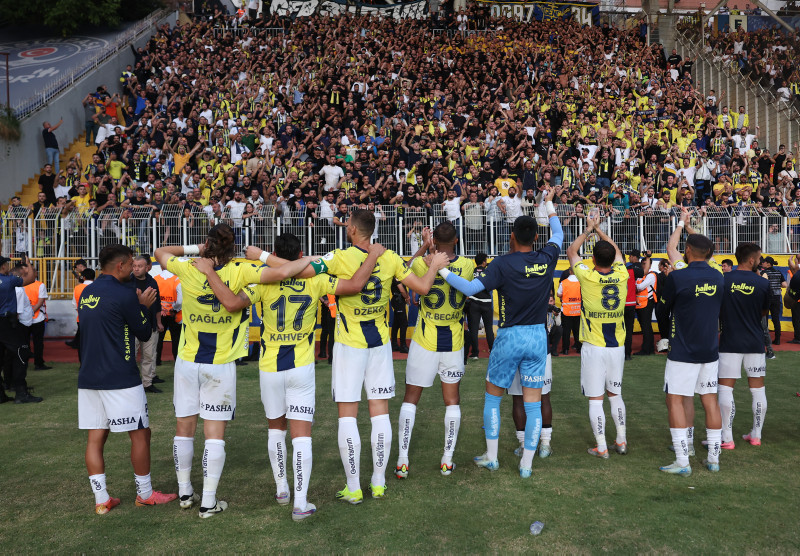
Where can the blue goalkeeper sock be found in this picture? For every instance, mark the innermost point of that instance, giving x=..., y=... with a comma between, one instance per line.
x=533, y=429
x=491, y=423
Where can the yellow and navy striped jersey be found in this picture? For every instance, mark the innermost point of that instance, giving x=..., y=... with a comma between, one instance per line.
x=602, y=304
x=288, y=320
x=441, y=310
x=361, y=319
x=210, y=334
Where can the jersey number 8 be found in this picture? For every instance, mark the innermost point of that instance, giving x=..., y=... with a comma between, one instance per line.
x=610, y=297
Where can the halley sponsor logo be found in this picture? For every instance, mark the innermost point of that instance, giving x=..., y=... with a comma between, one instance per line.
x=89, y=302
x=706, y=289
x=743, y=288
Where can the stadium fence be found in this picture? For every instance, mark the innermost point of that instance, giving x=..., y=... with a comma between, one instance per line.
x=55, y=239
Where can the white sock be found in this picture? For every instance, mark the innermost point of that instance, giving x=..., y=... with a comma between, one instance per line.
x=618, y=415
x=690, y=437
x=452, y=422
x=681, y=445
x=183, y=453
x=727, y=410
x=98, y=483
x=276, y=446
x=405, y=426
x=714, y=437
x=598, y=419
x=213, y=462
x=350, y=450
x=302, y=470
x=546, y=435
x=381, y=438
x=759, y=410
x=521, y=437
x=144, y=487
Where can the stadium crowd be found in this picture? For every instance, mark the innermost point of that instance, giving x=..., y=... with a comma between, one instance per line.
x=389, y=113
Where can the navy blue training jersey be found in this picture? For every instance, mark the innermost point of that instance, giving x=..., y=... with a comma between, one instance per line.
x=793, y=291
x=110, y=317
x=694, y=296
x=523, y=282
x=746, y=295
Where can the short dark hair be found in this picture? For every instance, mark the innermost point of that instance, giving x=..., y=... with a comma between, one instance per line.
x=445, y=232
x=604, y=253
x=701, y=245
x=525, y=230
x=480, y=258
x=88, y=273
x=111, y=254
x=364, y=221
x=145, y=258
x=287, y=246
x=744, y=251
x=727, y=262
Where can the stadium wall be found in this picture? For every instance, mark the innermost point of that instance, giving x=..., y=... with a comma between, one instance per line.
x=23, y=159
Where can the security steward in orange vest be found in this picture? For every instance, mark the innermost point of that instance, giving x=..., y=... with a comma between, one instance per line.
x=569, y=290
x=169, y=289
x=37, y=294
x=327, y=327
x=645, y=304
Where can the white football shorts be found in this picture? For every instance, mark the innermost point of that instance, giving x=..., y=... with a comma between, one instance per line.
x=601, y=369
x=116, y=410
x=688, y=379
x=730, y=365
x=205, y=389
x=354, y=368
x=290, y=392
x=423, y=366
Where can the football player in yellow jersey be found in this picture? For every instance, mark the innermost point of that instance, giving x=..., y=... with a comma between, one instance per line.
x=678, y=262
x=436, y=348
x=287, y=357
x=205, y=371
x=362, y=355
x=603, y=292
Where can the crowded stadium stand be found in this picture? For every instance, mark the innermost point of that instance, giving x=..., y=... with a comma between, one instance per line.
x=284, y=123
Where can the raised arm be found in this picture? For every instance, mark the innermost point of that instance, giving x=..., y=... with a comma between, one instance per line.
x=602, y=235
x=672, y=245
x=573, y=251
x=549, y=210
x=254, y=253
x=422, y=285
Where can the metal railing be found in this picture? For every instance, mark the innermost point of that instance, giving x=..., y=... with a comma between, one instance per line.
x=25, y=107
x=82, y=234
x=779, y=122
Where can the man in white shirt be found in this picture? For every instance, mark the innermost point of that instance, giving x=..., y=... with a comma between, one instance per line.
x=37, y=297
x=332, y=174
x=236, y=208
x=513, y=205
x=327, y=207
x=237, y=148
x=743, y=140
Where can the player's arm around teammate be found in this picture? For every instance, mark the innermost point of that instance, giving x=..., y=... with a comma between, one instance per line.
x=603, y=291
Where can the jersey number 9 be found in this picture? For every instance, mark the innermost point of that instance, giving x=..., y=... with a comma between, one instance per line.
x=372, y=291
